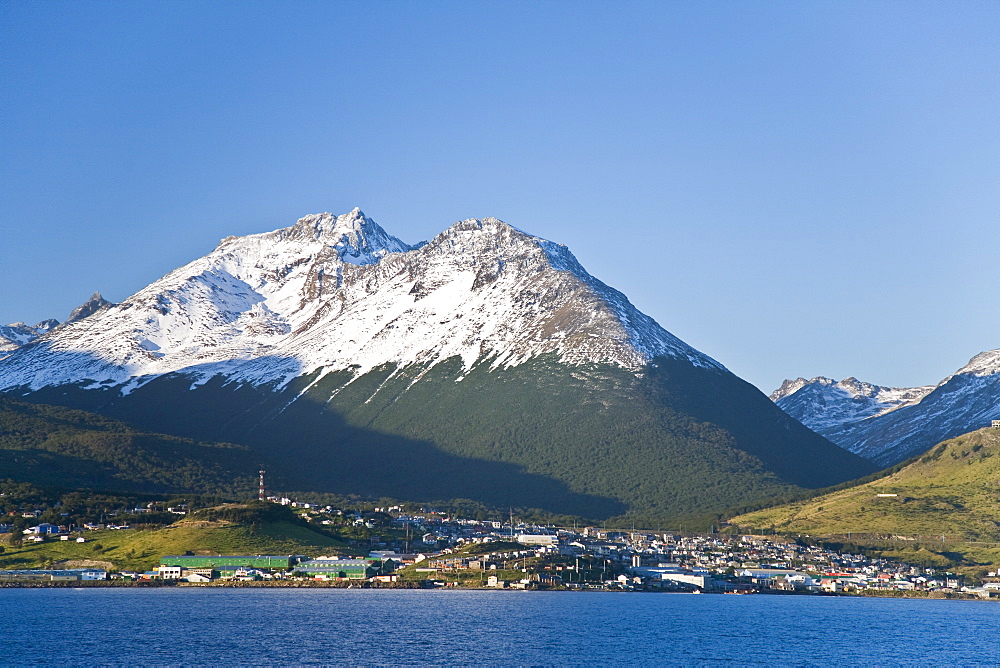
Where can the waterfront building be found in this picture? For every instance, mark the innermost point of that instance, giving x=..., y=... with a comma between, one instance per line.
x=53, y=575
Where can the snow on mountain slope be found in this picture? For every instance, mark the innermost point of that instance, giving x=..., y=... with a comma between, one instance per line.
x=823, y=403
x=888, y=425
x=338, y=292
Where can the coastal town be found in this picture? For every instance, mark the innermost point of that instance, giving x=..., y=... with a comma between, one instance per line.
x=433, y=549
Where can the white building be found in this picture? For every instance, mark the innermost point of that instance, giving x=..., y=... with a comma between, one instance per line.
x=671, y=574
x=537, y=539
x=169, y=572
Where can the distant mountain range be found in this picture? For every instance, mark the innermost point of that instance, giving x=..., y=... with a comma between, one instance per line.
x=17, y=334
x=823, y=403
x=888, y=425
x=484, y=364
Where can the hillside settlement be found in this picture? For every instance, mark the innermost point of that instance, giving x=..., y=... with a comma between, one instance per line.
x=433, y=549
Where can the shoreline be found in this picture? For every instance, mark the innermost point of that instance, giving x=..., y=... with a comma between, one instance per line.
x=415, y=586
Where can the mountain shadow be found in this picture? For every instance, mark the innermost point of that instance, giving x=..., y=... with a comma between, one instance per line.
x=52, y=446
x=307, y=446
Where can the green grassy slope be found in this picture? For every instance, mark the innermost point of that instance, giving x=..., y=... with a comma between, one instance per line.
x=141, y=550
x=952, y=490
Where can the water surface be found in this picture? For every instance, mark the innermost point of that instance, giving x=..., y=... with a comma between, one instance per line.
x=257, y=627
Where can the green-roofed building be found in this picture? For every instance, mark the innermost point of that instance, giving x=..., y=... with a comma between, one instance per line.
x=232, y=562
x=342, y=569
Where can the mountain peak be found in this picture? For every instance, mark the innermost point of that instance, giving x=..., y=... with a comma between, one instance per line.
x=331, y=226
x=356, y=238
x=488, y=224
x=983, y=364
x=790, y=387
x=88, y=308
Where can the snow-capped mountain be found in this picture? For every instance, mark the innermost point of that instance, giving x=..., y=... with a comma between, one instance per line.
x=338, y=292
x=18, y=334
x=889, y=425
x=485, y=364
x=823, y=403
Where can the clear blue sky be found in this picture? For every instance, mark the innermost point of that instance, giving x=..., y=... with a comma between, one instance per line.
x=794, y=188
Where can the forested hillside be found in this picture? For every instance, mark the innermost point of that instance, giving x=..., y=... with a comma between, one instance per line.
x=595, y=441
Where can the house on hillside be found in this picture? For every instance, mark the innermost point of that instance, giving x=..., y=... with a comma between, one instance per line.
x=43, y=528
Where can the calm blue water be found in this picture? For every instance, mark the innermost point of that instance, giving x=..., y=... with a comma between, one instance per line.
x=402, y=627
